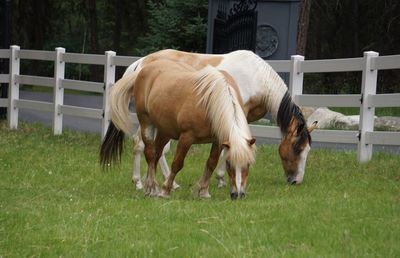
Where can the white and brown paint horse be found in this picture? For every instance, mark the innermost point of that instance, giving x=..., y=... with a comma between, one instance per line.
x=175, y=101
x=262, y=90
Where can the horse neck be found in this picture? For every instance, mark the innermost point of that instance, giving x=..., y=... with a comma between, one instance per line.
x=270, y=85
x=228, y=121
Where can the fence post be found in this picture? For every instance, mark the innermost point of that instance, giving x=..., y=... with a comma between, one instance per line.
x=109, y=79
x=58, y=91
x=13, y=90
x=367, y=113
x=296, y=77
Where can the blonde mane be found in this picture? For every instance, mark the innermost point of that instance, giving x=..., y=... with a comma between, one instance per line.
x=226, y=115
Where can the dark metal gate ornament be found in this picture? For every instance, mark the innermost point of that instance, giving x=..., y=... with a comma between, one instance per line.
x=243, y=6
x=236, y=30
x=267, y=40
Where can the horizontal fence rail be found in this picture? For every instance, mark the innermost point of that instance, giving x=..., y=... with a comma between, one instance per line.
x=367, y=100
x=280, y=66
x=35, y=80
x=314, y=100
x=124, y=60
x=383, y=100
x=83, y=58
x=81, y=111
x=36, y=55
x=329, y=66
x=35, y=105
x=82, y=85
x=386, y=62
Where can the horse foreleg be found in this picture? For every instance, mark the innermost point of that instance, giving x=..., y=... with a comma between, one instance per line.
x=221, y=170
x=203, y=184
x=138, y=147
x=182, y=148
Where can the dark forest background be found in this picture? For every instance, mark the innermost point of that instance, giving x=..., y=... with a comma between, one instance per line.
x=327, y=29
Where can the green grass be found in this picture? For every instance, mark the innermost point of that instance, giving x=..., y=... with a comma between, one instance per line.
x=56, y=201
x=388, y=111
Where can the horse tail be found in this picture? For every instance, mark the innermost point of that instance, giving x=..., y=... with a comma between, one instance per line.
x=133, y=67
x=121, y=120
x=120, y=96
x=225, y=113
x=112, y=146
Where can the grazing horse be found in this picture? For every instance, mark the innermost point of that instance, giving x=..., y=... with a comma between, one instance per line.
x=175, y=101
x=262, y=90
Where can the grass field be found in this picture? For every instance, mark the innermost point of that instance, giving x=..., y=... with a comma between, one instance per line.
x=56, y=201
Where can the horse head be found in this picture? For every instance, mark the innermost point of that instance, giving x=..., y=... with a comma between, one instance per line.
x=238, y=172
x=294, y=149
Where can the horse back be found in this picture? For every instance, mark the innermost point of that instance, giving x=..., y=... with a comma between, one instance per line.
x=195, y=60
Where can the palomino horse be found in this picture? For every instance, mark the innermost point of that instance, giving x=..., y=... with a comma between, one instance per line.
x=174, y=101
x=262, y=91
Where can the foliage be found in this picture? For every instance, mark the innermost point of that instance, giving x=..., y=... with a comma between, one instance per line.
x=55, y=201
x=337, y=29
x=65, y=23
x=347, y=28
x=178, y=24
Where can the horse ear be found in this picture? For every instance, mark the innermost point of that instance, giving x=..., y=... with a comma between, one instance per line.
x=313, y=126
x=226, y=145
x=251, y=141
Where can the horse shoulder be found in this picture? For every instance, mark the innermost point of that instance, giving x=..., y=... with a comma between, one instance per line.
x=255, y=108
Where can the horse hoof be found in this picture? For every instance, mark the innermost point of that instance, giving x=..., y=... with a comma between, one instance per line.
x=152, y=192
x=176, y=186
x=220, y=182
x=164, y=195
x=204, y=194
x=138, y=184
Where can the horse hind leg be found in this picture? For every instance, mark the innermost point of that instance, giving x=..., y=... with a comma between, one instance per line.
x=148, y=132
x=138, y=147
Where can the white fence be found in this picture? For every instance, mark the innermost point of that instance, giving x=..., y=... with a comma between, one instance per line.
x=367, y=100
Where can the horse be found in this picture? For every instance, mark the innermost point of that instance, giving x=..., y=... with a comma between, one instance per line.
x=262, y=90
x=175, y=101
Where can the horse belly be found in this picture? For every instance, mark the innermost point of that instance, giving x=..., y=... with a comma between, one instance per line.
x=164, y=119
x=175, y=118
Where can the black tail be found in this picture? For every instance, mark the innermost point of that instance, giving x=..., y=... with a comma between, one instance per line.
x=112, y=146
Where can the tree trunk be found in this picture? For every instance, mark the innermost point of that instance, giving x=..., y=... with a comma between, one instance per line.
x=302, y=27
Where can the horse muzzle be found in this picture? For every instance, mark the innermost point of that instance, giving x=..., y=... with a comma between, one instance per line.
x=236, y=195
x=293, y=180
